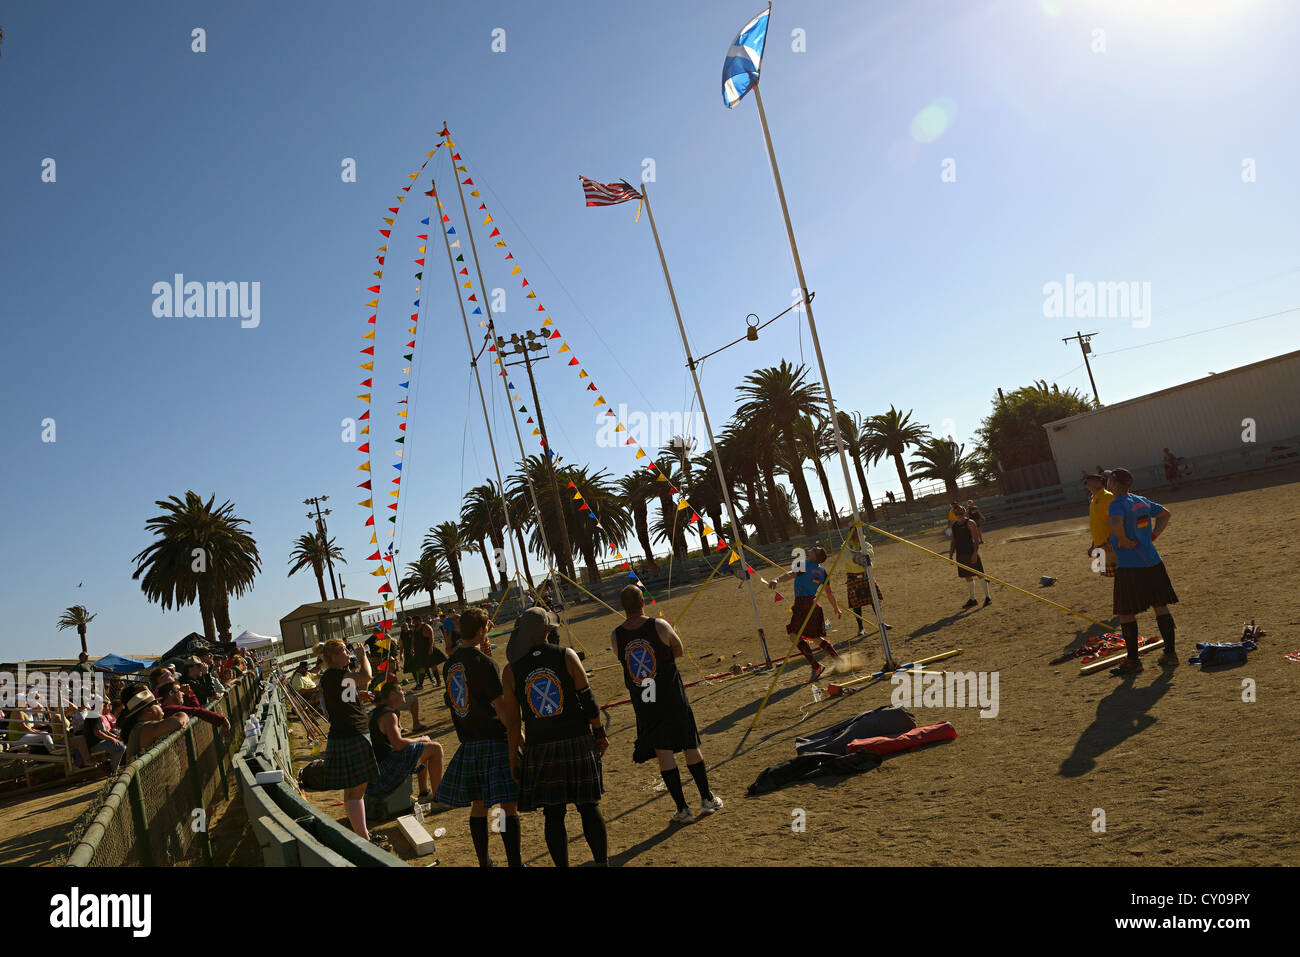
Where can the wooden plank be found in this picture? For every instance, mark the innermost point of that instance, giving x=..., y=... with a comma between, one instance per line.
x=415, y=835
x=1095, y=666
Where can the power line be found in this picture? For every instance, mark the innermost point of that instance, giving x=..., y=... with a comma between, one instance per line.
x=1271, y=315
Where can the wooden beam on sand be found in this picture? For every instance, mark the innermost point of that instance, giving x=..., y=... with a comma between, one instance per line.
x=881, y=674
x=1095, y=666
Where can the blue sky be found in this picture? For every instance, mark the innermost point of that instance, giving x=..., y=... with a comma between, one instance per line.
x=1122, y=164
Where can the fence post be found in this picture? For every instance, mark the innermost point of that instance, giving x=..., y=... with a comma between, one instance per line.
x=135, y=795
x=196, y=780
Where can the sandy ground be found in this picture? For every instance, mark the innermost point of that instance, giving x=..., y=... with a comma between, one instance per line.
x=1185, y=771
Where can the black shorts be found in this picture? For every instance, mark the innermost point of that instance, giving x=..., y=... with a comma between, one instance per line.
x=1137, y=589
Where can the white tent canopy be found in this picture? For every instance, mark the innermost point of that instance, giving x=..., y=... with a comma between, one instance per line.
x=249, y=639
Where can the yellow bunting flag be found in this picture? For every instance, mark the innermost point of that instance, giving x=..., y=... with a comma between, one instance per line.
x=363, y=467
x=564, y=348
x=537, y=432
x=582, y=373
x=547, y=322
x=389, y=605
x=619, y=428
x=488, y=220
x=707, y=530
x=369, y=335
x=402, y=414
x=366, y=504
x=388, y=221
x=640, y=453
x=366, y=365
x=599, y=401
x=516, y=271
x=468, y=285
x=372, y=303
x=365, y=397
x=577, y=496
x=365, y=430
x=683, y=504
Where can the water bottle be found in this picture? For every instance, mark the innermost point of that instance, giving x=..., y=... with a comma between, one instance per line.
x=817, y=693
x=419, y=812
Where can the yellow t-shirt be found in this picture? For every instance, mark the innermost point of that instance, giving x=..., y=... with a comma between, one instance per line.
x=1099, y=516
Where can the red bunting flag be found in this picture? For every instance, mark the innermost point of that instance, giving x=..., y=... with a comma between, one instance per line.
x=573, y=362
x=364, y=448
x=385, y=232
x=372, y=289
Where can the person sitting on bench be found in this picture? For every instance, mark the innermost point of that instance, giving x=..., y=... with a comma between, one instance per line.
x=399, y=757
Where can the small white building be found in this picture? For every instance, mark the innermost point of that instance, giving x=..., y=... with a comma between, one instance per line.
x=1208, y=417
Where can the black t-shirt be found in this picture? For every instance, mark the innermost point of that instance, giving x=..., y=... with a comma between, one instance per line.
x=378, y=740
x=347, y=718
x=646, y=657
x=962, y=539
x=92, y=724
x=547, y=697
x=473, y=682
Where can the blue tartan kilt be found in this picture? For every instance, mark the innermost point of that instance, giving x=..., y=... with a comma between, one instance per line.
x=397, y=767
x=478, y=771
x=349, y=762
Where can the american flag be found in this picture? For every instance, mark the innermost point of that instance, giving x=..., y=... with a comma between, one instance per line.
x=608, y=194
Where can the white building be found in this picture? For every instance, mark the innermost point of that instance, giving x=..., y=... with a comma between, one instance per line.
x=1213, y=419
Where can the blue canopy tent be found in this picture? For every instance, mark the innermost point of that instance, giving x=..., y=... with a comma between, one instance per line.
x=121, y=666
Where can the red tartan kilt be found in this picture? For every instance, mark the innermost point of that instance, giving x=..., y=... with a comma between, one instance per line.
x=859, y=593
x=816, y=627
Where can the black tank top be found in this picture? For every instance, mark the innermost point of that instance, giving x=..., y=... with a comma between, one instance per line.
x=547, y=697
x=645, y=658
x=379, y=740
x=962, y=541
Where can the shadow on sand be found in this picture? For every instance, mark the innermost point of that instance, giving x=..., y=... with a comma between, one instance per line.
x=1120, y=715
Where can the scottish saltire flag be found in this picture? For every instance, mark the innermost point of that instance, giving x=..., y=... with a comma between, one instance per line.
x=607, y=194
x=740, y=68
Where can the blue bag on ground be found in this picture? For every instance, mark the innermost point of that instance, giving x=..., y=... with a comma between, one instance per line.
x=1221, y=653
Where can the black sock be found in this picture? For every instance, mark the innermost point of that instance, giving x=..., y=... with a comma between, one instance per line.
x=557, y=838
x=1129, y=629
x=510, y=838
x=1166, y=624
x=593, y=829
x=478, y=833
x=673, y=780
x=861, y=624
x=701, y=779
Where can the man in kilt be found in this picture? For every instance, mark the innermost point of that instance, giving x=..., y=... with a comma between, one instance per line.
x=1141, y=581
x=857, y=587
x=965, y=544
x=807, y=620
x=560, y=763
x=349, y=758
x=398, y=757
x=478, y=774
x=665, y=724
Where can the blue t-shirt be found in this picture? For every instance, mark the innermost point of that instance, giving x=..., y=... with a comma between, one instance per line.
x=809, y=580
x=1138, y=514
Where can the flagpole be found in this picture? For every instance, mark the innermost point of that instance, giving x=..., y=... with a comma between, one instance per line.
x=708, y=427
x=487, y=421
x=492, y=332
x=821, y=365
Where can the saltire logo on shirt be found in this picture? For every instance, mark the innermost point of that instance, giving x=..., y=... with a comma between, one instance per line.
x=458, y=689
x=641, y=663
x=544, y=693
x=1143, y=521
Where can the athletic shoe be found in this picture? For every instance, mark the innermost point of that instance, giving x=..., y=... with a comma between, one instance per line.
x=971, y=603
x=424, y=797
x=988, y=601
x=714, y=803
x=818, y=672
x=1129, y=667
x=684, y=816
x=1167, y=660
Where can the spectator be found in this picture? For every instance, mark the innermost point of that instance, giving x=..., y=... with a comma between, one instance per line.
x=301, y=681
x=210, y=664
x=203, y=683
x=1099, y=521
x=143, y=721
x=23, y=733
x=1171, y=463
x=428, y=656
x=399, y=757
x=349, y=758
x=83, y=664
x=974, y=514
x=99, y=738
x=172, y=700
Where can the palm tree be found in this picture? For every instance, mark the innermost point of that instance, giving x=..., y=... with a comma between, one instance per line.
x=200, y=555
x=445, y=543
x=77, y=617
x=855, y=433
x=637, y=489
x=667, y=526
x=816, y=442
x=891, y=434
x=944, y=460
x=482, y=517
x=775, y=399
x=742, y=470
x=424, y=574
x=706, y=496
x=754, y=448
x=311, y=551
x=612, y=518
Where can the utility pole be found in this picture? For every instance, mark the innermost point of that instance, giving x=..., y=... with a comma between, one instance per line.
x=524, y=345
x=1087, y=350
x=323, y=532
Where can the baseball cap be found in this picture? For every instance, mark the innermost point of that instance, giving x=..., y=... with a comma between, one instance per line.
x=533, y=624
